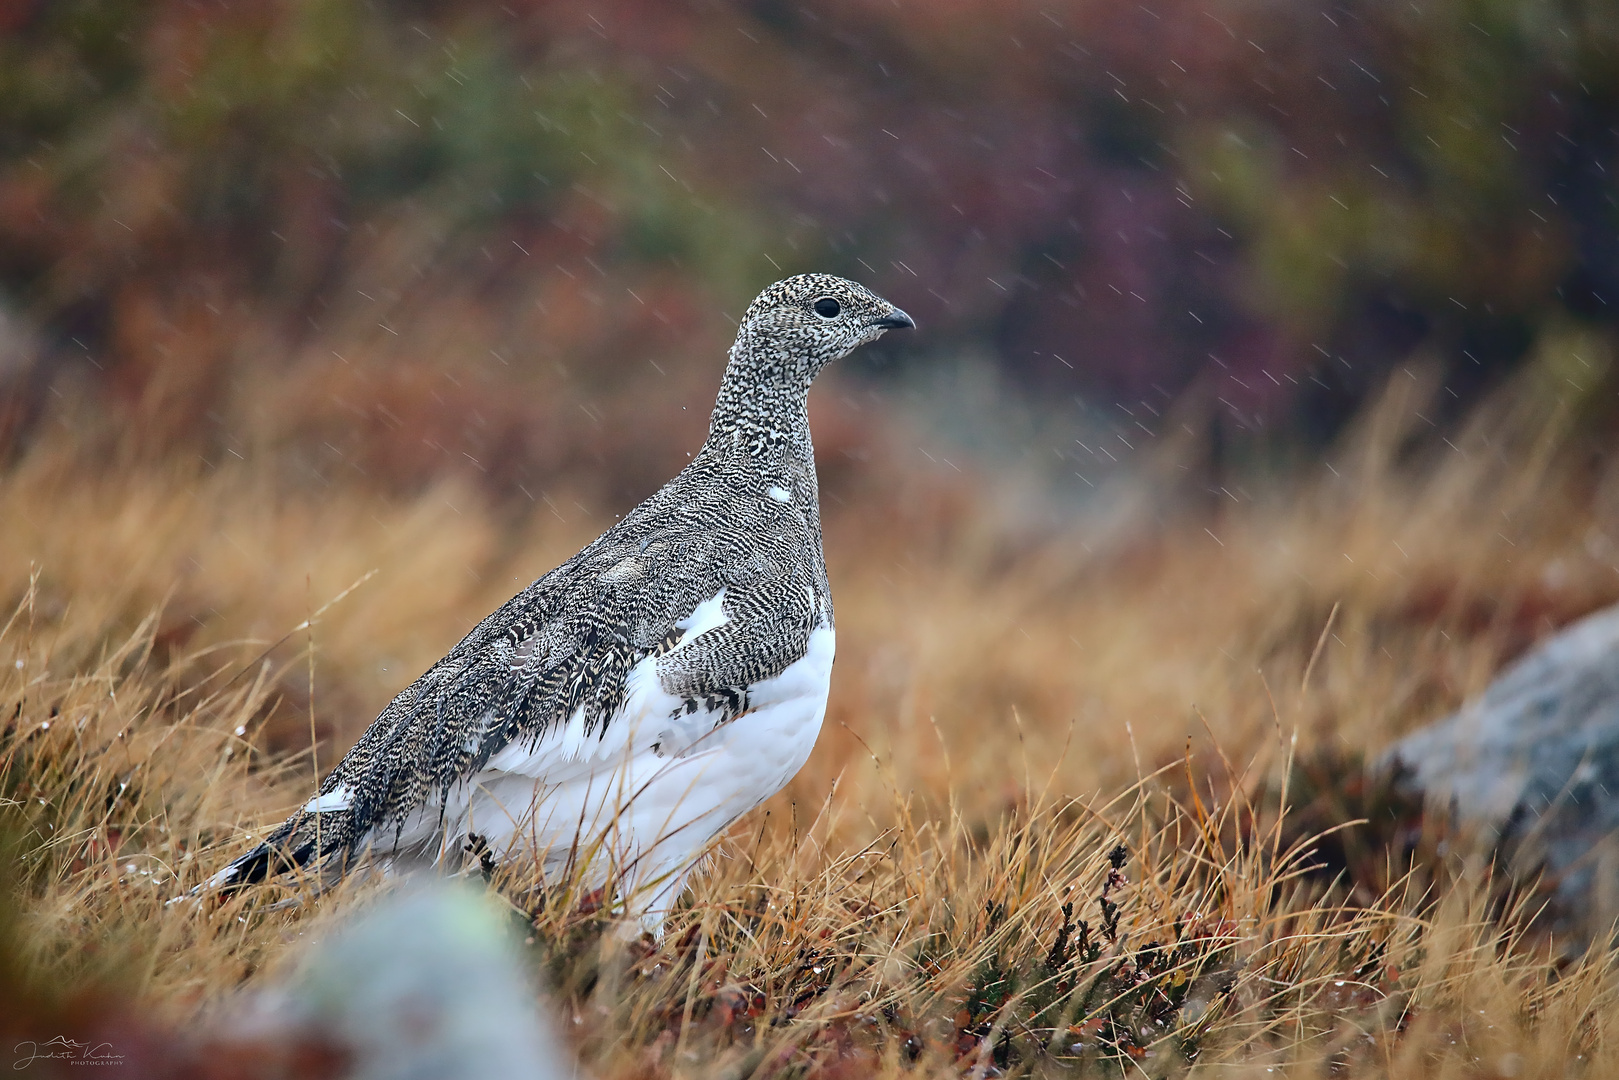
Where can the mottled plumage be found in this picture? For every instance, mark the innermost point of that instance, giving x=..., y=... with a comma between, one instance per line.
x=634, y=701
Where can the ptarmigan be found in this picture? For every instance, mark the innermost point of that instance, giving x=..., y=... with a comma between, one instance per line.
x=629, y=705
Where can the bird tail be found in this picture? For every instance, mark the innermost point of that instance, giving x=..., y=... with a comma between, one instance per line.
x=320, y=842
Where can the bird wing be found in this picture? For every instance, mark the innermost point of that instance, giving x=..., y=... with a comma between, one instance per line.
x=563, y=677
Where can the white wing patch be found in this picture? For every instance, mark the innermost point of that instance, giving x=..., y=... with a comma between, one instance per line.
x=335, y=799
x=779, y=493
x=707, y=616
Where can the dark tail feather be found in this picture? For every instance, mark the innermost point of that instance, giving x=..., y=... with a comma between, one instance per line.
x=320, y=841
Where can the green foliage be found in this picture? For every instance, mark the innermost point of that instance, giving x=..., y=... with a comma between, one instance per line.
x=278, y=127
x=1434, y=184
x=65, y=72
x=1258, y=178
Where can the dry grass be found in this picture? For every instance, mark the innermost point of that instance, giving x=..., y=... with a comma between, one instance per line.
x=1040, y=831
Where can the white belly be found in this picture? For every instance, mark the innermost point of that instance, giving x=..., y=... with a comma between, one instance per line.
x=638, y=802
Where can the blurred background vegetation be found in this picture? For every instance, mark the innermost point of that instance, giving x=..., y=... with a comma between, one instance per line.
x=395, y=239
x=348, y=317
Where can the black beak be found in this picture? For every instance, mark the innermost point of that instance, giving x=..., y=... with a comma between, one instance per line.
x=896, y=320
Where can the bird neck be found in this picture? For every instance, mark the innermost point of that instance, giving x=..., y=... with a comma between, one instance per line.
x=763, y=406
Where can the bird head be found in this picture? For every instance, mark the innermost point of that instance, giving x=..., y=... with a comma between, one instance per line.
x=802, y=323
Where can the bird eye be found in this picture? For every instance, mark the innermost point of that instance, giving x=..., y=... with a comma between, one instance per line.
x=827, y=308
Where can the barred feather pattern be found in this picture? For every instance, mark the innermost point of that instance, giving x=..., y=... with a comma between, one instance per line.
x=741, y=524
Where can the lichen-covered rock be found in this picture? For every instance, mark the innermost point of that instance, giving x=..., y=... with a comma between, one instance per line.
x=1534, y=760
x=426, y=985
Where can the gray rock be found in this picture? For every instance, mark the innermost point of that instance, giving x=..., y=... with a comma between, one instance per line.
x=426, y=985
x=1535, y=762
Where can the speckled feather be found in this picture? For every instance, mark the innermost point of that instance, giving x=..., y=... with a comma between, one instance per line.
x=742, y=517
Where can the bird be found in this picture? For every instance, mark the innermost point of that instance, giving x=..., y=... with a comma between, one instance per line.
x=625, y=708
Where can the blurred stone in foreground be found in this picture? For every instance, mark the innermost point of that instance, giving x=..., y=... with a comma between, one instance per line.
x=426, y=985
x=1535, y=760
